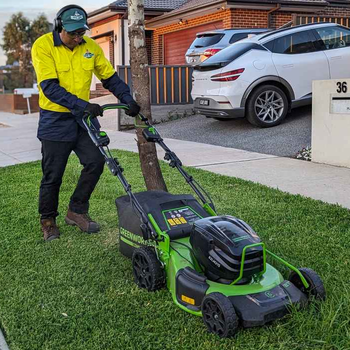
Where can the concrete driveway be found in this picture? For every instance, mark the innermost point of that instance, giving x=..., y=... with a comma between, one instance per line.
x=283, y=140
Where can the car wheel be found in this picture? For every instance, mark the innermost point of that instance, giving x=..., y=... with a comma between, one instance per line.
x=267, y=106
x=147, y=270
x=316, y=288
x=219, y=315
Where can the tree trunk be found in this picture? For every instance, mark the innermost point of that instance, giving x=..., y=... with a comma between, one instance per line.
x=140, y=82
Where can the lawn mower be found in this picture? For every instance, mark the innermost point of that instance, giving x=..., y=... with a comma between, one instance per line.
x=215, y=266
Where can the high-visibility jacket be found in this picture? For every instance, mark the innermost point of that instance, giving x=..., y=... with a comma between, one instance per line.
x=64, y=78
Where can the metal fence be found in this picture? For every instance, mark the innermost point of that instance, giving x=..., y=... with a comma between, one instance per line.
x=168, y=84
x=304, y=19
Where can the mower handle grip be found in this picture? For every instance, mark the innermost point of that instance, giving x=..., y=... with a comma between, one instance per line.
x=116, y=106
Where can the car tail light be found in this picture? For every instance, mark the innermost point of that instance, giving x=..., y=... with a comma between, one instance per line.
x=210, y=52
x=228, y=76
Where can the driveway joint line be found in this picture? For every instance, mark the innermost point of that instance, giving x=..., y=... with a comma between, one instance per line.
x=235, y=161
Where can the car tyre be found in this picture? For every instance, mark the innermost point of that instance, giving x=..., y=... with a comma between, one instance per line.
x=267, y=106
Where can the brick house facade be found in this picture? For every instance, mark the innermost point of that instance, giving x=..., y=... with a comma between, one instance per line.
x=231, y=14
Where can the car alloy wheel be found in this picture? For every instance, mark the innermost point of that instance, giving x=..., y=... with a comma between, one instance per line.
x=267, y=106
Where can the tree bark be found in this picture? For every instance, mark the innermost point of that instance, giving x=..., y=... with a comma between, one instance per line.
x=140, y=81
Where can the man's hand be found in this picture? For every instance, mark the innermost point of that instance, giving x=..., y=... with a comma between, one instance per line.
x=134, y=109
x=94, y=110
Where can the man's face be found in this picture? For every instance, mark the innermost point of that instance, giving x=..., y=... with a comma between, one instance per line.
x=72, y=39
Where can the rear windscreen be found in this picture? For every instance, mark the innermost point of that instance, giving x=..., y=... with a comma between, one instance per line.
x=227, y=55
x=205, y=40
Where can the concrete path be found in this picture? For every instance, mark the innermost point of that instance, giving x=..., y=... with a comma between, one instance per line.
x=18, y=144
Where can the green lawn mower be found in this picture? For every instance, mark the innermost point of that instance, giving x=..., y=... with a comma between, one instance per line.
x=215, y=266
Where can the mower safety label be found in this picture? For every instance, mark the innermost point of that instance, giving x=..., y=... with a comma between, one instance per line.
x=180, y=216
x=187, y=300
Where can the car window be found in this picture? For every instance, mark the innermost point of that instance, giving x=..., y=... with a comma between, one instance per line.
x=296, y=43
x=237, y=37
x=227, y=55
x=205, y=40
x=334, y=37
x=269, y=45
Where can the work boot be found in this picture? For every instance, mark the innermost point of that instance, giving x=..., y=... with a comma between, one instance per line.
x=83, y=221
x=50, y=229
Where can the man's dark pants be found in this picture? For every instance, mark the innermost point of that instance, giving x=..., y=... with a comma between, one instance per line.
x=54, y=160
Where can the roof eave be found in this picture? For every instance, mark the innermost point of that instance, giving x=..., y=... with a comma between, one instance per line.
x=170, y=18
x=291, y=6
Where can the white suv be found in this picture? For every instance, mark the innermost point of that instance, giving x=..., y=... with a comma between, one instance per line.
x=264, y=77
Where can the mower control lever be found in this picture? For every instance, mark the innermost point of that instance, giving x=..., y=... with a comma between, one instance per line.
x=101, y=138
x=151, y=135
x=173, y=159
x=113, y=166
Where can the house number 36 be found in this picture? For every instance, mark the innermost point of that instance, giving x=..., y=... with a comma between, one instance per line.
x=342, y=87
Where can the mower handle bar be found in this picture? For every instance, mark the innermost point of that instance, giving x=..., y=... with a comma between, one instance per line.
x=118, y=106
x=170, y=156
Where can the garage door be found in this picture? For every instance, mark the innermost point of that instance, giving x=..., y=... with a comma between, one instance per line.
x=176, y=44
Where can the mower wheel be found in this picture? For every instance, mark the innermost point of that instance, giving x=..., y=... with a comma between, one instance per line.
x=219, y=315
x=316, y=288
x=148, y=272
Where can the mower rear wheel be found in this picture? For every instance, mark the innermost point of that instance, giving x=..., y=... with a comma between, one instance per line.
x=219, y=315
x=316, y=288
x=147, y=270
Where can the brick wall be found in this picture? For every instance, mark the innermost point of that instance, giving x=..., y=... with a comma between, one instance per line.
x=335, y=11
x=111, y=50
x=17, y=104
x=244, y=18
x=278, y=19
x=20, y=104
x=6, y=103
x=149, y=36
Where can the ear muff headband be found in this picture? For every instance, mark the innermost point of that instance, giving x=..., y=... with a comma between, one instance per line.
x=57, y=22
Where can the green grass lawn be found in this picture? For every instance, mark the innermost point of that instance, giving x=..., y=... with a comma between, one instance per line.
x=78, y=292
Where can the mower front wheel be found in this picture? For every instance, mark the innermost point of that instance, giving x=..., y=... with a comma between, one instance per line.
x=219, y=315
x=316, y=288
x=147, y=270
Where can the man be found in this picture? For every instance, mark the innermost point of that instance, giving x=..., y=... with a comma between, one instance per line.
x=64, y=62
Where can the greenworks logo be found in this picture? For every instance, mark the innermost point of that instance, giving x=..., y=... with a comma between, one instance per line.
x=134, y=238
x=242, y=238
x=270, y=295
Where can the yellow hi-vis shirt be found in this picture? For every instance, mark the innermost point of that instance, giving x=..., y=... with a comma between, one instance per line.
x=73, y=69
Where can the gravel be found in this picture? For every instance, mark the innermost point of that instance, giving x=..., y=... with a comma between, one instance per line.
x=283, y=140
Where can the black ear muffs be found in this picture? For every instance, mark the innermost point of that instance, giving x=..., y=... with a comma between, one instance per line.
x=57, y=22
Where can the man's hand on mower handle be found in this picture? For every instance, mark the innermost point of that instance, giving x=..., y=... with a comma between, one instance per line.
x=94, y=110
x=134, y=109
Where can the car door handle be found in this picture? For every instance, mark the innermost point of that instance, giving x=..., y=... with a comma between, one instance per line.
x=336, y=58
x=288, y=65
